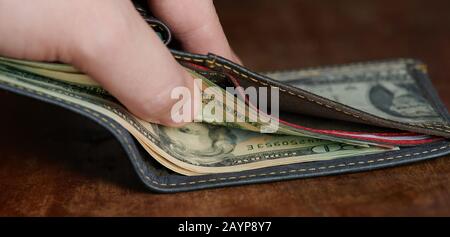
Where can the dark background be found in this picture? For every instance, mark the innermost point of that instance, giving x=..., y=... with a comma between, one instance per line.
x=54, y=163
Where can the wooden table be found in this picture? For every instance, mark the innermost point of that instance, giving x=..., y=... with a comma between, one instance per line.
x=51, y=165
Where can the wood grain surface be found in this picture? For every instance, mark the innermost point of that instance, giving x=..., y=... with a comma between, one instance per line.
x=55, y=163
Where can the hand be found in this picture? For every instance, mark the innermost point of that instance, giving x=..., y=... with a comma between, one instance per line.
x=109, y=40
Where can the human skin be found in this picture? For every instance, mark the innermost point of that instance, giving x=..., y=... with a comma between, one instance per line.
x=109, y=41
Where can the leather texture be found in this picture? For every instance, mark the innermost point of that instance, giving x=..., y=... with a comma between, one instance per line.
x=159, y=179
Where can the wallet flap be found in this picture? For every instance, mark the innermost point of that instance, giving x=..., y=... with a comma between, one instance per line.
x=405, y=98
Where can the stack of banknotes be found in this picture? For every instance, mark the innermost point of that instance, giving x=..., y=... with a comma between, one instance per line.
x=201, y=147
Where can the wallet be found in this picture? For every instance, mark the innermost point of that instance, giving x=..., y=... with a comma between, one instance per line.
x=393, y=102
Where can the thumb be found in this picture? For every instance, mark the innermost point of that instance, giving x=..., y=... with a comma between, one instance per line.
x=130, y=61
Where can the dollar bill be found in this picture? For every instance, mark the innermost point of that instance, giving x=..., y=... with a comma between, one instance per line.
x=237, y=109
x=195, y=149
x=385, y=89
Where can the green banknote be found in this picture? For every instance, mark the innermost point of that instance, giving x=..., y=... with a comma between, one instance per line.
x=195, y=149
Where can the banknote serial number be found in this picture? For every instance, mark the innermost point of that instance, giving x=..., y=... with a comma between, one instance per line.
x=280, y=144
x=226, y=226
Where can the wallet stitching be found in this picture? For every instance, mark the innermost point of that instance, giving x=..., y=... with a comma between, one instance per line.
x=441, y=127
x=242, y=177
x=424, y=125
x=291, y=171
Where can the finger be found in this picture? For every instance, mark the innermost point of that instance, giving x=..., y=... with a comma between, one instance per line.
x=121, y=52
x=196, y=24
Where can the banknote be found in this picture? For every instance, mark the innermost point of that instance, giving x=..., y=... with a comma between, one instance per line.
x=237, y=109
x=385, y=89
x=195, y=149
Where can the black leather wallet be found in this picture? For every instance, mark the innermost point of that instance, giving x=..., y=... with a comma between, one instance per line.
x=298, y=97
